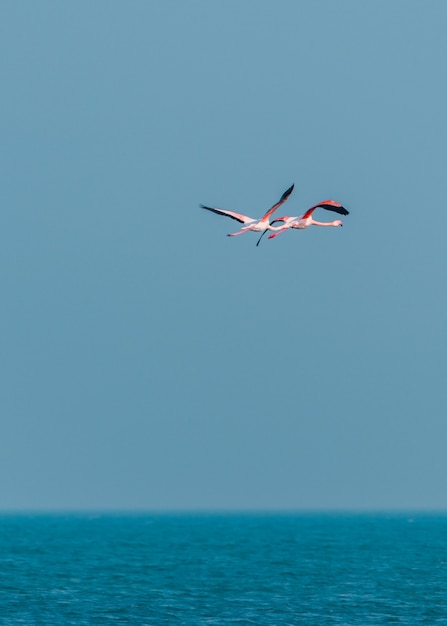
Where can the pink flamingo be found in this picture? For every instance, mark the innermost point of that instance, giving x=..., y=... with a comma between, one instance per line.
x=306, y=220
x=250, y=222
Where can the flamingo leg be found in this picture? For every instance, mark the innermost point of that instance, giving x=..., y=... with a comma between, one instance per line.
x=239, y=232
x=278, y=233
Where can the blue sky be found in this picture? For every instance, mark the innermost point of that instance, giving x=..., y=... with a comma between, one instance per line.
x=148, y=361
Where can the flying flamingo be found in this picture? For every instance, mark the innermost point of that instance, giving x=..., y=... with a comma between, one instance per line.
x=306, y=220
x=250, y=222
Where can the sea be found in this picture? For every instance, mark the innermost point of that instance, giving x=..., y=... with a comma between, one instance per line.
x=221, y=568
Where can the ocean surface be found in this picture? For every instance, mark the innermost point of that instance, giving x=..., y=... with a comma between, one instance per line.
x=223, y=569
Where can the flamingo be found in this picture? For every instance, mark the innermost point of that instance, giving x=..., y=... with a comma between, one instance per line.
x=250, y=222
x=306, y=220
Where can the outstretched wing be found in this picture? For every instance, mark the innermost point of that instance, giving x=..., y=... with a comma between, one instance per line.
x=283, y=198
x=329, y=205
x=244, y=219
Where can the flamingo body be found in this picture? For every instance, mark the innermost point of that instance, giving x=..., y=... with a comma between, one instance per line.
x=306, y=219
x=250, y=223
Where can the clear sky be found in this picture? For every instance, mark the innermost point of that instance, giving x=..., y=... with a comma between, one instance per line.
x=150, y=362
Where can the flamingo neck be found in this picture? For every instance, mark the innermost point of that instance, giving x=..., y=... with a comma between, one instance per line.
x=315, y=223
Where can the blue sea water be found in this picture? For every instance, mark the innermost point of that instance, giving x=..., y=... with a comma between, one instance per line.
x=223, y=569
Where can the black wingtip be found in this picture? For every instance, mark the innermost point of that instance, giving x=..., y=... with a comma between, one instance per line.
x=341, y=210
x=259, y=240
x=287, y=193
x=334, y=207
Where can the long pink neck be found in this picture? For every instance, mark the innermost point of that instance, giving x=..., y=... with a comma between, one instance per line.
x=315, y=223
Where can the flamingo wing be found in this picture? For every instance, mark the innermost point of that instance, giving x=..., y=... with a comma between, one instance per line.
x=259, y=240
x=244, y=219
x=283, y=198
x=329, y=205
x=278, y=219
